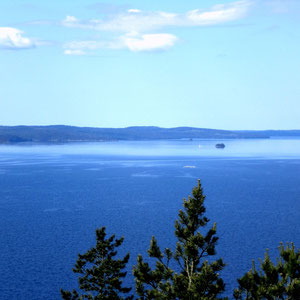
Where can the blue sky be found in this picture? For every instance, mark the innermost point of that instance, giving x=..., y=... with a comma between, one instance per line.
x=212, y=64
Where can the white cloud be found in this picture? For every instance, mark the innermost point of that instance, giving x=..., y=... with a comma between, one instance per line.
x=136, y=11
x=74, y=52
x=149, y=42
x=72, y=22
x=132, y=41
x=80, y=47
x=218, y=14
x=133, y=29
x=11, y=38
x=139, y=21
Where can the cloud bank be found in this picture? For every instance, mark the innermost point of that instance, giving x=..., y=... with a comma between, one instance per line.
x=139, y=21
x=133, y=41
x=12, y=39
x=137, y=30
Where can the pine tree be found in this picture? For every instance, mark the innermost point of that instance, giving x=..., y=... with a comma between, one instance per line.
x=273, y=281
x=101, y=273
x=195, y=277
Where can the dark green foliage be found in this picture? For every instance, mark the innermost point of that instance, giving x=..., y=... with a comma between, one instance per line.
x=273, y=281
x=101, y=273
x=188, y=272
x=195, y=277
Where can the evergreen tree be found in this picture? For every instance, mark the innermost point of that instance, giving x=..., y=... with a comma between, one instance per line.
x=101, y=273
x=195, y=277
x=273, y=281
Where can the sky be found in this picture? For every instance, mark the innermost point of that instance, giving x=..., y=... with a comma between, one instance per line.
x=210, y=64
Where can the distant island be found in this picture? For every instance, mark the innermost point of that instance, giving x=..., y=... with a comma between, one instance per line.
x=67, y=134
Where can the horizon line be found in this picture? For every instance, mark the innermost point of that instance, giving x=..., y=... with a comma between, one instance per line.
x=148, y=126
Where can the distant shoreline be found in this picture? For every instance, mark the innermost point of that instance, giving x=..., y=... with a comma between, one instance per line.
x=61, y=134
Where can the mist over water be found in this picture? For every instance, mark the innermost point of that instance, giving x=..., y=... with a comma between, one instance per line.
x=53, y=197
x=268, y=148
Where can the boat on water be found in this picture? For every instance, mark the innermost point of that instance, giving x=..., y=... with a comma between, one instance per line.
x=220, y=146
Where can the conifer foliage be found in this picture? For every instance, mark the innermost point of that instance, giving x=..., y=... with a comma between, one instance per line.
x=101, y=273
x=189, y=272
x=280, y=281
x=194, y=276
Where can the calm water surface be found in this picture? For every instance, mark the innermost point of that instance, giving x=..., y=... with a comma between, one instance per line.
x=52, y=198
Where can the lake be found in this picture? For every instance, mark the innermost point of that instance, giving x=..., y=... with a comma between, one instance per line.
x=53, y=197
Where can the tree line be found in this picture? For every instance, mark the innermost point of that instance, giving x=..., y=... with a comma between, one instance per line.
x=197, y=275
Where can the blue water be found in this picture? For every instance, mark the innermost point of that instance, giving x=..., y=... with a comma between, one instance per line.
x=52, y=198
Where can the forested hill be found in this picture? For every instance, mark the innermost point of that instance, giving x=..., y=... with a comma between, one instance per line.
x=63, y=134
